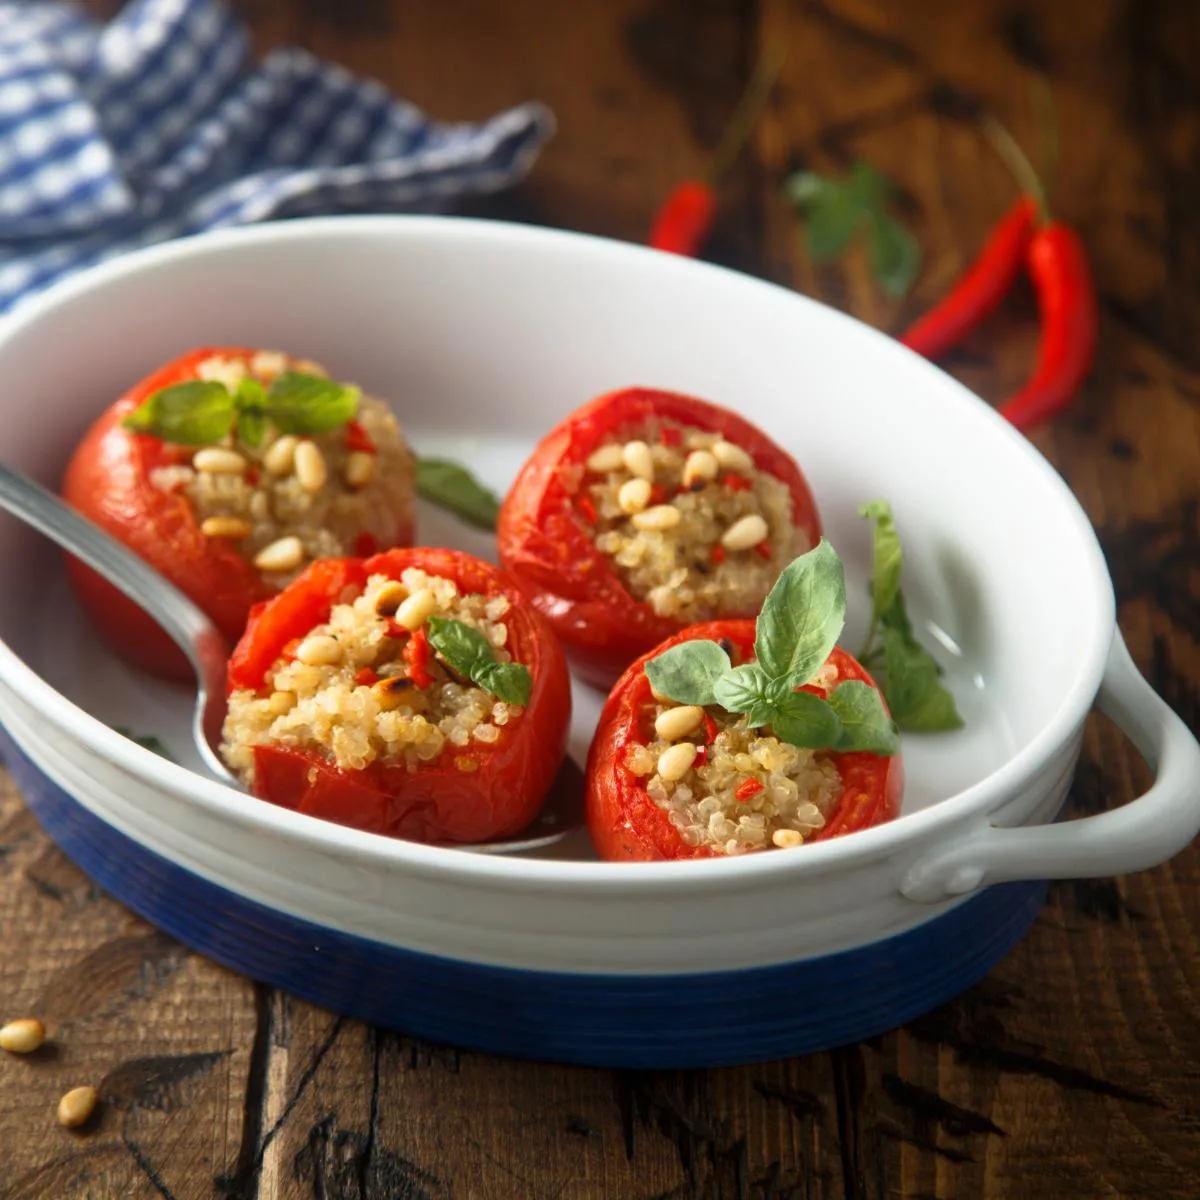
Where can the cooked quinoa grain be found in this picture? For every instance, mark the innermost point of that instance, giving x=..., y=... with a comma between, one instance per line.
x=293, y=499
x=345, y=691
x=690, y=524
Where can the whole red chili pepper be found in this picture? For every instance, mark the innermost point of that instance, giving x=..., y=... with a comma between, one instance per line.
x=1058, y=268
x=981, y=288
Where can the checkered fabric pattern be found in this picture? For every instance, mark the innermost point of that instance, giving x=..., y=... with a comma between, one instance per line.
x=158, y=125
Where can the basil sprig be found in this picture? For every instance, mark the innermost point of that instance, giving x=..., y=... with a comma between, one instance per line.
x=906, y=671
x=471, y=654
x=797, y=628
x=453, y=487
x=203, y=411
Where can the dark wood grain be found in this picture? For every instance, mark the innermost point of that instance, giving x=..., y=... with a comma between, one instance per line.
x=1073, y=1071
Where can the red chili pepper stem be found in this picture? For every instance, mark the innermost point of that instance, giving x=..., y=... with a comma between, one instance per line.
x=1017, y=161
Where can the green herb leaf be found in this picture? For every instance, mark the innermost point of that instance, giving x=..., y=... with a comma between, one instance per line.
x=832, y=222
x=865, y=723
x=471, y=654
x=919, y=702
x=895, y=255
x=196, y=413
x=309, y=404
x=250, y=393
x=802, y=616
x=687, y=673
x=148, y=740
x=806, y=189
x=746, y=689
x=453, y=487
x=872, y=187
x=252, y=426
x=887, y=559
x=806, y=720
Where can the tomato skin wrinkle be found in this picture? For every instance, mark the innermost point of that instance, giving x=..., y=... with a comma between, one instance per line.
x=546, y=548
x=624, y=822
x=981, y=287
x=437, y=802
x=1067, y=305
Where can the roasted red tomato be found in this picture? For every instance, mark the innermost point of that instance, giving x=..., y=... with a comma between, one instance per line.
x=231, y=510
x=415, y=694
x=650, y=797
x=645, y=512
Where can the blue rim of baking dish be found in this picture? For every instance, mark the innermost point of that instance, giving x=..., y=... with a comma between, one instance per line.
x=630, y=1021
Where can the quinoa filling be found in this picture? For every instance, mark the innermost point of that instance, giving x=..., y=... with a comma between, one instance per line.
x=691, y=525
x=292, y=499
x=728, y=786
x=351, y=691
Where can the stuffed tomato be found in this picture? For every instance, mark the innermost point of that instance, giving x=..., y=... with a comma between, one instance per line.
x=415, y=694
x=647, y=511
x=734, y=737
x=229, y=470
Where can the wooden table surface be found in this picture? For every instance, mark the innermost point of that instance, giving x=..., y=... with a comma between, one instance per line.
x=1074, y=1070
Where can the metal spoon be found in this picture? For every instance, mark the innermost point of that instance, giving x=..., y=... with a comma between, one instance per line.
x=203, y=643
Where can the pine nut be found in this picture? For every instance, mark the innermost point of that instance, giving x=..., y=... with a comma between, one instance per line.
x=417, y=609
x=280, y=703
x=359, y=468
x=676, y=761
x=281, y=454
x=389, y=598
x=743, y=534
x=638, y=460
x=284, y=554
x=306, y=366
x=634, y=495
x=216, y=460
x=785, y=839
x=607, y=458
x=22, y=1036
x=701, y=466
x=268, y=363
x=661, y=516
x=225, y=527
x=310, y=466
x=677, y=722
x=229, y=371
x=731, y=457
x=77, y=1106
x=396, y=690
x=319, y=650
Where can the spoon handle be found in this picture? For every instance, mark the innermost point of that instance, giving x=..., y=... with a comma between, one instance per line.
x=45, y=512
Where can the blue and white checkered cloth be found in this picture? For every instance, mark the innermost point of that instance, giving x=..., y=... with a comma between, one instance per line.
x=158, y=125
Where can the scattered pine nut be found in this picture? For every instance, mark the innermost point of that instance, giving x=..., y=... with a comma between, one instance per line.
x=217, y=460
x=677, y=722
x=229, y=371
x=359, y=468
x=310, y=466
x=225, y=527
x=77, y=1106
x=675, y=762
x=661, y=516
x=638, y=460
x=319, y=650
x=417, y=609
x=744, y=533
x=700, y=467
x=396, y=690
x=607, y=458
x=731, y=457
x=268, y=363
x=284, y=554
x=22, y=1036
x=785, y=839
x=389, y=598
x=634, y=495
x=280, y=454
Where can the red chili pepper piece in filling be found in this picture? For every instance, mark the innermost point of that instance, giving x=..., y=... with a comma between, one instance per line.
x=365, y=677
x=417, y=654
x=747, y=789
x=670, y=436
x=357, y=438
x=763, y=549
x=981, y=288
x=1062, y=279
x=736, y=483
x=710, y=729
x=658, y=494
x=717, y=557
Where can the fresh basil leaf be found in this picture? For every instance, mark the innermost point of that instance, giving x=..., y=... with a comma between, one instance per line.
x=471, y=654
x=746, y=689
x=802, y=616
x=196, y=413
x=453, y=487
x=887, y=558
x=148, y=740
x=688, y=673
x=832, y=222
x=250, y=393
x=895, y=255
x=309, y=404
x=865, y=723
x=510, y=682
x=252, y=426
x=806, y=188
x=806, y=720
x=919, y=703
x=871, y=187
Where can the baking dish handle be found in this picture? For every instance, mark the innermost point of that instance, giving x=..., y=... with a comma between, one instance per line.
x=1143, y=833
